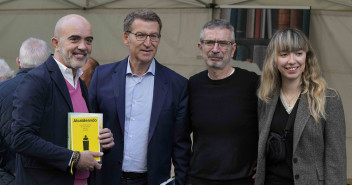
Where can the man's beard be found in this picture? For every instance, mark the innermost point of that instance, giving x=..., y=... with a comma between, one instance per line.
x=71, y=61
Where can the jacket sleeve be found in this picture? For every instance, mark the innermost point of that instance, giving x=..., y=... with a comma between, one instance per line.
x=335, y=142
x=182, y=141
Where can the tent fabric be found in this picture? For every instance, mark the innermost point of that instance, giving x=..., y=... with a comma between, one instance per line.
x=314, y=4
x=330, y=33
x=331, y=38
x=166, y=4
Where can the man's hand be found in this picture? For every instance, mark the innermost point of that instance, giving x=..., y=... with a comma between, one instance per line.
x=87, y=161
x=106, y=138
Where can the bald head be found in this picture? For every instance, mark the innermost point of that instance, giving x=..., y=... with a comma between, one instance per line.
x=67, y=20
x=72, y=41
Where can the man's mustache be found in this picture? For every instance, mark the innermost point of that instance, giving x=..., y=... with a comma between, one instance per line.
x=212, y=55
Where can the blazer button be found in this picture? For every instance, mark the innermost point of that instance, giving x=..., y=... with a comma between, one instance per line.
x=296, y=176
x=120, y=162
x=295, y=160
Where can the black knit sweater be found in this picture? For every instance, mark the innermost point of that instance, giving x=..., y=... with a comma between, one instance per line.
x=225, y=128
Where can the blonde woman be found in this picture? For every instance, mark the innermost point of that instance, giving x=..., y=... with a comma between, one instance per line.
x=301, y=121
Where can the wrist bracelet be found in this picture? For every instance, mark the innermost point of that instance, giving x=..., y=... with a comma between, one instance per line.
x=75, y=158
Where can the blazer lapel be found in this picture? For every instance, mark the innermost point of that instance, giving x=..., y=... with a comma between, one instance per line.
x=301, y=120
x=269, y=116
x=160, y=90
x=59, y=80
x=119, y=87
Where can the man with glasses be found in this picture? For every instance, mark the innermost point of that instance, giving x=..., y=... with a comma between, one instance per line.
x=223, y=110
x=145, y=105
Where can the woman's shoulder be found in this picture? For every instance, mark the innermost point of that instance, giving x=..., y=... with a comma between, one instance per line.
x=333, y=100
x=331, y=92
x=332, y=95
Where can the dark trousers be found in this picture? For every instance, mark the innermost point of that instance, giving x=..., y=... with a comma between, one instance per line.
x=138, y=181
x=198, y=181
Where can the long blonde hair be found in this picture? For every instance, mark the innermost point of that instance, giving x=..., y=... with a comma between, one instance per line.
x=313, y=85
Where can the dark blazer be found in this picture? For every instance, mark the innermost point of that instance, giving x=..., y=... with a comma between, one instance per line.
x=169, y=130
x=41, y=103
x=7, y=88
x=319, y=149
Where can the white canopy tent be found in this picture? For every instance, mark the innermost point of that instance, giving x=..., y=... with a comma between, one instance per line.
x=330, y=33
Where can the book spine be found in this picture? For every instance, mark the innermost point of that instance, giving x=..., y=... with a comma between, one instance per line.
x=69, y=131
x=306, y=22
x=283, y=19
x=262, y=24
x=250, y=23
x=257, y=23
x=241, y=23
x=296, y=19
x=233, y=18
x=241, y=53
x=274, y=20
x=269, y=23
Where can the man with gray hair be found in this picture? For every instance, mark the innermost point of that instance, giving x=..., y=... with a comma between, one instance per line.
x=33, y=52
x=223, y=108
x=5, y=71
x=145, y=104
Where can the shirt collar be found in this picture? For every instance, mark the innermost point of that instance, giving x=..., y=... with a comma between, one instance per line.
x=151, y=69
x=68, y=74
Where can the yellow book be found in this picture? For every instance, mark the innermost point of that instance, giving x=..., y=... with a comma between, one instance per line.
x=83, y=132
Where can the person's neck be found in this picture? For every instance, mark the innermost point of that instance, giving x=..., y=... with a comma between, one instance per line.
x=58, y=58
x=290, y=87
x=139, y=68
x=291, y=91
x=219, y=74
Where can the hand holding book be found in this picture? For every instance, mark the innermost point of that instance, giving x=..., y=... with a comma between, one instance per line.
x=106, y=138
x=87, y=161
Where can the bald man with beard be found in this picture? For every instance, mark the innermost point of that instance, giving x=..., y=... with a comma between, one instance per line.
x=41, y=104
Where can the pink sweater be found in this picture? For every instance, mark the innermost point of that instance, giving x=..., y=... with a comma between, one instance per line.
x=79, y=105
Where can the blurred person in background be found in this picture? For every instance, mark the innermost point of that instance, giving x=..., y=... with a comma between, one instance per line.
x=88, y=70
x=5, y=71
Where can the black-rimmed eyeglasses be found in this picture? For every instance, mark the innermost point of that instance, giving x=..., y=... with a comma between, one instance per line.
x=154, y=37
x=223, y=44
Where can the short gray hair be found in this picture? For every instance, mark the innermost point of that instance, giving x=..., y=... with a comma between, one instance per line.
x=143, y=14
x=218, y=23
x=5, y=71
x=33, y=52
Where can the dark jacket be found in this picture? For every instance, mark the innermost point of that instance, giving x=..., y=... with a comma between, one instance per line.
x=6, y=178
x=168, y=132
x=7, y=154
x=41, y=103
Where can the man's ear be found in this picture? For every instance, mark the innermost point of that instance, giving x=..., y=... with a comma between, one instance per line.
x=233, y=49
x=200, y=48
x=55, y=42
x=125, y=38
x=18, y=63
